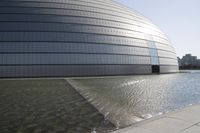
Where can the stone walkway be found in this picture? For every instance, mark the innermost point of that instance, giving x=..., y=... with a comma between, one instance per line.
x=186, y=120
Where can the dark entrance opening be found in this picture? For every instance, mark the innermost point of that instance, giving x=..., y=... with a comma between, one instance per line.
x=155, y=68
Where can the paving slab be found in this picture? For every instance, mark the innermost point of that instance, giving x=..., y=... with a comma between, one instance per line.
x=187, y=115
x=193, y=129
x=166, y=125
x=194, y=108
x=186, y=120
x=135, y=130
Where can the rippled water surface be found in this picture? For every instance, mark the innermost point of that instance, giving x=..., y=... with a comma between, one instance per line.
x=81, y=105
x=46, y=106
x=126, y=100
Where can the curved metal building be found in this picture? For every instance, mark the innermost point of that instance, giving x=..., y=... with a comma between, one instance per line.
x=41, y=38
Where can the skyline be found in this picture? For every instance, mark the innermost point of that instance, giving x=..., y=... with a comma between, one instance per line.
x=183, y=30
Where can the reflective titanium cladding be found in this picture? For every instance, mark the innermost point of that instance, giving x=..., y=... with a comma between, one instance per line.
x=41, y=38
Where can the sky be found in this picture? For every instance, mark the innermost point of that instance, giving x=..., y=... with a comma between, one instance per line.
x=178, y=19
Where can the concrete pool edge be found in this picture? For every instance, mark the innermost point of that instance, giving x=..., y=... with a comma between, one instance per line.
x=186, y=120
x=89, y=77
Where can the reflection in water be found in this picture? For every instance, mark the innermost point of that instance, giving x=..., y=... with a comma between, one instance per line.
x=54, y=106
x=126, y=100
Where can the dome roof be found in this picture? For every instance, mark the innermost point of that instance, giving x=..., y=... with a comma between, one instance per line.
x=57, y=34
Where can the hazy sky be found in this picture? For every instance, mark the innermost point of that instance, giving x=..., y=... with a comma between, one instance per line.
x=178, y=19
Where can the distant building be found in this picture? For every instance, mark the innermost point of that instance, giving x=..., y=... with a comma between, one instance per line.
x=189, y=61
x=198, y=63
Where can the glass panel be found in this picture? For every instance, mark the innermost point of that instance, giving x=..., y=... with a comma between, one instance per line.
x=153, y=52
x=154, y=61
x=151, y=44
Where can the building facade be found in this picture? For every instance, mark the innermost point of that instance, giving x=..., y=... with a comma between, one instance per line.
x=50, y=38
x=188, y=61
